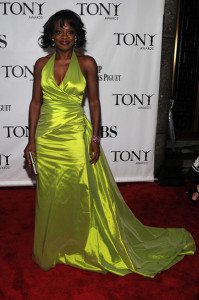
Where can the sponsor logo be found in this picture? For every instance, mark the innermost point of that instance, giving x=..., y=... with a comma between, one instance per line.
x=17, y=72
x=109, y=10
x=139, y=157
x=4, y=161
x=144, y=41
x=33, y=10
x=143, y=101
x=108, y=131
x=107, y=77
x=16, y=131
x=3, y=42
x=5, y=107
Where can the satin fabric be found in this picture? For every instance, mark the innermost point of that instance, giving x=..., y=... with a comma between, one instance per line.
x=81, y=218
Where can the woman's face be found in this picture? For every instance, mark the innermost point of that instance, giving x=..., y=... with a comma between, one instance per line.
x=64, y=38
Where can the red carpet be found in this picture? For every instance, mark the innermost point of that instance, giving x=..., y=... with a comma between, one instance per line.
x=153, y=205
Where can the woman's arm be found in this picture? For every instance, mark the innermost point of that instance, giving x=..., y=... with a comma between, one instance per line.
x=34, y=110
x=94, y=104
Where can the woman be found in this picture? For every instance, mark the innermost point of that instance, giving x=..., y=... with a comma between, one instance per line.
x=81, y=218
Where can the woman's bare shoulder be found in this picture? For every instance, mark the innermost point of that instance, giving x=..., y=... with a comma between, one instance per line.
x=42, y=61
x=86, y=60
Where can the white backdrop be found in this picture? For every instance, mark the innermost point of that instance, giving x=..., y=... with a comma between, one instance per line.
x=125, y=39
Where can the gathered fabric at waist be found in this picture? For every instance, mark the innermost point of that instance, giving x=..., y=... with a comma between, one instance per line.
x=55, y=114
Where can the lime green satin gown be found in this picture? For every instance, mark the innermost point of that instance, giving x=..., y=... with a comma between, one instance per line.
x=81, y=218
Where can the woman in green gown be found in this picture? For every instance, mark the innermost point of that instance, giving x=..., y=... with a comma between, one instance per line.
x=81, y=218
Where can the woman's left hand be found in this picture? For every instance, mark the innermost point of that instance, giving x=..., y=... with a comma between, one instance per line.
x=94, y=152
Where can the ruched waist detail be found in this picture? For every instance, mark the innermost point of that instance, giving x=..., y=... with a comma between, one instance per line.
x=55, y=113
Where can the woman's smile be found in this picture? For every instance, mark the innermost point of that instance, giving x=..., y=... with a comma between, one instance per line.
x=64, y=42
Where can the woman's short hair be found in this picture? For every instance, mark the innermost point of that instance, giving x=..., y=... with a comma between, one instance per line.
x=74, y=21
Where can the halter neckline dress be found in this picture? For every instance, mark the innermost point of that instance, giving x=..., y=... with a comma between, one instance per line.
x=81, y=219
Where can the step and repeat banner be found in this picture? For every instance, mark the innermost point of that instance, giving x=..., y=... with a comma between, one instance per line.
x=125, y=38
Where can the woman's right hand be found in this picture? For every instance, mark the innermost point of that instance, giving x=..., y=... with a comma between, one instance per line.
x=29, y=148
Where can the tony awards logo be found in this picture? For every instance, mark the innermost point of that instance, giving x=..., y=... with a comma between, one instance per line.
x=17, y=71
x=138, y=157
x=109, y=10
x=16, y=131
x=144, y=41
x=142, y=101
x=33, y=10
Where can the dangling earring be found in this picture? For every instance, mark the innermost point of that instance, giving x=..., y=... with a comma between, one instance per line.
x=53, y=43
x=75, y=45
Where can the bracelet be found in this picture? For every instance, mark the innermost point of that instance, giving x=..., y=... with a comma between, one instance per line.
x=95, y=139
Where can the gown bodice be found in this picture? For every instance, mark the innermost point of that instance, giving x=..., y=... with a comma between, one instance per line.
x=61, y=103
x=72, y=86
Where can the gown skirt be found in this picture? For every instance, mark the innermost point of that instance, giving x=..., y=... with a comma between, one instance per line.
x=81, y=219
